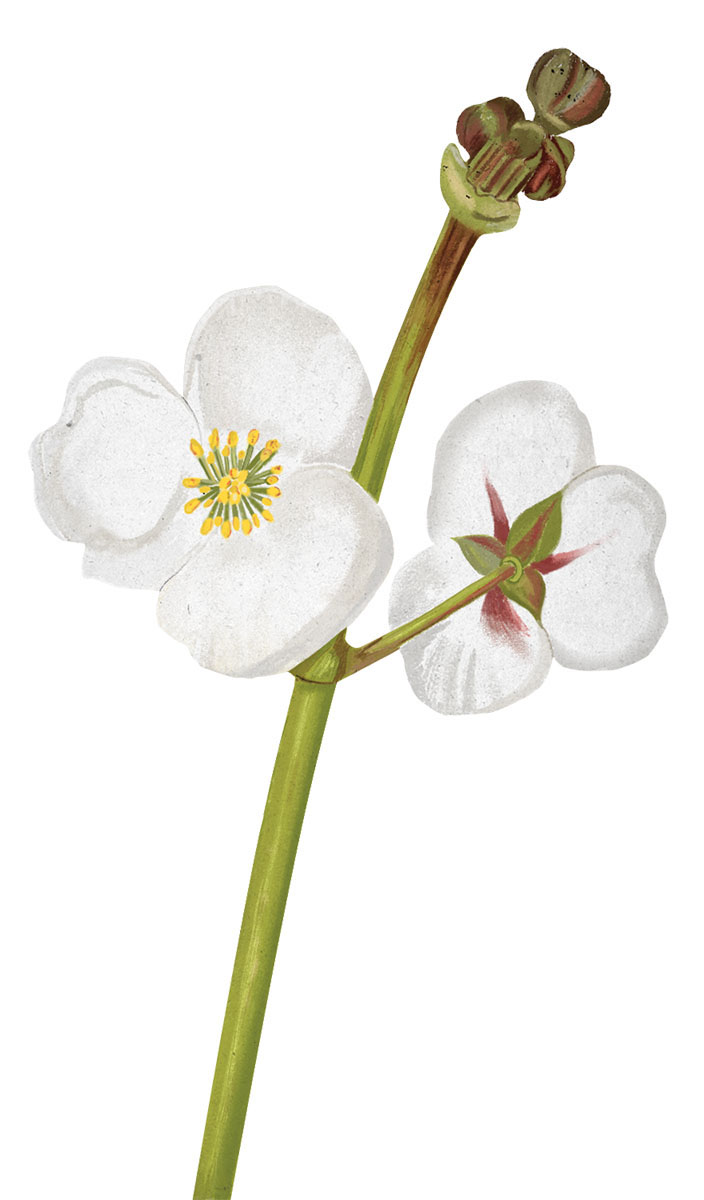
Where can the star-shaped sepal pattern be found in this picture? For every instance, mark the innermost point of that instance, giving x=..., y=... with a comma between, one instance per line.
x=527, y=545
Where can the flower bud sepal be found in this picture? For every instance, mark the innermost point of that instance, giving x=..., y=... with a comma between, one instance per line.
x=475, y=210
x=525, y=587
x=536, y=531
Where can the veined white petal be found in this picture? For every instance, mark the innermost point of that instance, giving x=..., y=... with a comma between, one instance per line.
x=605, y=609
x=109, y=472
x=260, y=604
x=261, y=359
x=527, y=439
x=463, y=665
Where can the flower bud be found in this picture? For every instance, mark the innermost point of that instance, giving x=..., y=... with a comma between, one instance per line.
x=480, y=122
x=503, y=166
x=566, y=92
x=474, y=209
x=548, y=179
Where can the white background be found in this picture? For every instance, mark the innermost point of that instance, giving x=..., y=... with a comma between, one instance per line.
x=490, y=978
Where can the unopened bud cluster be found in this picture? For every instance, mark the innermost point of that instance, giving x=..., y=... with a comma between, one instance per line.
x=509, y=154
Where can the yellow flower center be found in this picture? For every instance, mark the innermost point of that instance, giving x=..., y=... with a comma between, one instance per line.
x=237, y=486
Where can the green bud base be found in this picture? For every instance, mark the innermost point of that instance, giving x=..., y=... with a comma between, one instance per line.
x=476, y=211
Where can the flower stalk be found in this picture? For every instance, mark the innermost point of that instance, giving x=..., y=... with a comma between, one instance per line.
x=298, y=751
x=259, y=936
x=360, y=657
x=444, y=265
x=507, y=154
x=338, y=659
x=269, y=884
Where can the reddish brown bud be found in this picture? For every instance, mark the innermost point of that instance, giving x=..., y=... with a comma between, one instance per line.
x=480, y=122
x=503, y=166
x=566, y=91
x=548, y=179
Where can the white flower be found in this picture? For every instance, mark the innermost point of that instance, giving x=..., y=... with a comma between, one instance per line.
x=307, y=550
x=602, y=607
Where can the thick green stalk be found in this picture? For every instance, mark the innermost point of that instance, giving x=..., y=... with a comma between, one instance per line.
x=444, y=265
x=298, y=753
x=259, y=936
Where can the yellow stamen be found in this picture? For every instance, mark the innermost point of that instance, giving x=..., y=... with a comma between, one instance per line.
x=226, y=486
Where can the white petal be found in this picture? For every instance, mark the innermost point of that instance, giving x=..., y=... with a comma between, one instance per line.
x=109, y=472
x=605, y=609
x=460, y=665
x=147, y=562
x=261, y=359
x=260, y=604
x=528, y=439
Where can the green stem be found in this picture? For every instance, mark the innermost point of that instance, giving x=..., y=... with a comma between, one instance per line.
x=259, y=936
x=444, y=265
x=359, y=657
x=297, y=756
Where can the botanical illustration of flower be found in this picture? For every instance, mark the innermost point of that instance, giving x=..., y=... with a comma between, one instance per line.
x=249, y=502
x=584, y=590
x=273, y=547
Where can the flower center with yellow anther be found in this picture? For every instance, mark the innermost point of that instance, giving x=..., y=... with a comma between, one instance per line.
x=237, y=486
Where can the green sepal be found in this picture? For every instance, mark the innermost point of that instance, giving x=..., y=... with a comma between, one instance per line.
x=567, y=148
x=473, y=209
x=482, y=553
x=492, y=119
x=529, y=591
x=536, y=532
